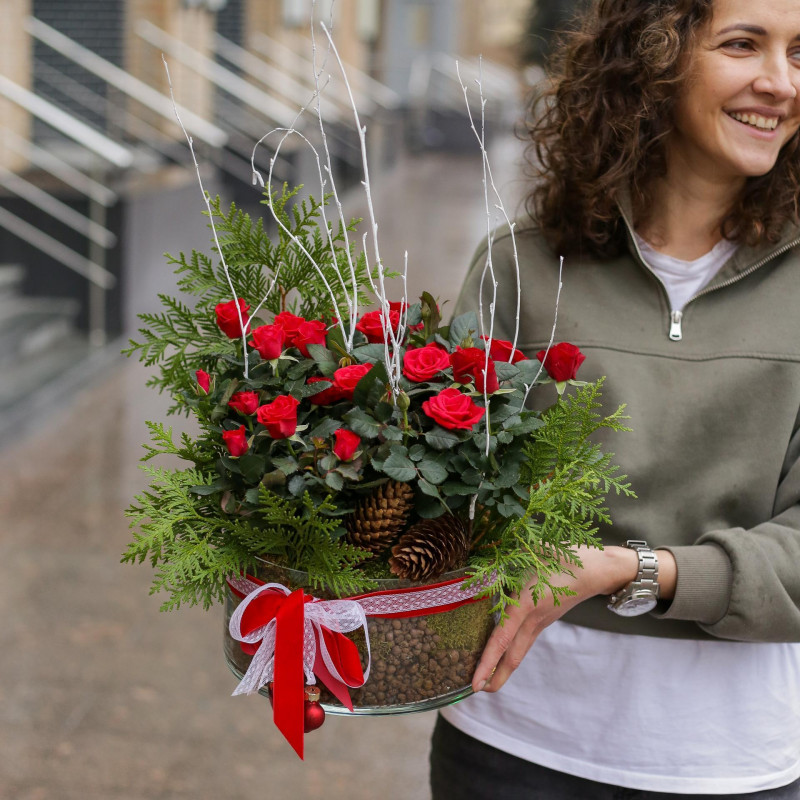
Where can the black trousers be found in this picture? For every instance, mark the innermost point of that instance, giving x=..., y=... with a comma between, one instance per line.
x=463, y=768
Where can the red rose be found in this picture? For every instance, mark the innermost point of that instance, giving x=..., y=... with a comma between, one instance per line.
x=562, y=362
x=268, y=340
x=346, y=378
x=280, y=416
x=228, y=317
x=309, y=332
x=424, y=363
x=469, y=365
x=326, y=396
x=246, y=402
x=501, y=350
x=346, y=444
x=371, y=325
x=454, y=410
x=236, y=441
x=290, y=323
x=203, y=380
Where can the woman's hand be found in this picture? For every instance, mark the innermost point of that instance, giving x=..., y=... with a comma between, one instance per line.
x=604, y=572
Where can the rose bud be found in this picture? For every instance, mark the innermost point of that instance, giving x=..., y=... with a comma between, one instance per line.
x=501, y=350
x=244, y=402
x=228, y=317
x=269, y=340
x=562, y=361
x=236, y=441
x=454, y=410
x=280, y=416
x=346, y=444
x=203, y=380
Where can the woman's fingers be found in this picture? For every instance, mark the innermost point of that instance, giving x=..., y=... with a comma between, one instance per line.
x=501, y=639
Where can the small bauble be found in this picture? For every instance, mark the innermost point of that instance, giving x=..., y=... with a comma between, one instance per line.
x=313, y=716
x=313, y=713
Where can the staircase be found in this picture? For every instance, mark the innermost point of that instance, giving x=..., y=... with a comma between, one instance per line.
x=39, y=346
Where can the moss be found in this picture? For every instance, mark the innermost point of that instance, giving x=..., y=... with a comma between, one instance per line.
x=464, y=628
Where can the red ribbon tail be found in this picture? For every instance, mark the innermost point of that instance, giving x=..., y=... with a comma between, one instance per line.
x=289, y=679
x=344, y=655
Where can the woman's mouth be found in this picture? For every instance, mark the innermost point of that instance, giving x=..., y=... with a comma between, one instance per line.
x=755, y=120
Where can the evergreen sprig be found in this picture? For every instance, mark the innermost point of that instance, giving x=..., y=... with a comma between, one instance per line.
x=567, y=478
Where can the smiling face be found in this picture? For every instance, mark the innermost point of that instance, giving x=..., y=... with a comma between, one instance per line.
x=740, y=103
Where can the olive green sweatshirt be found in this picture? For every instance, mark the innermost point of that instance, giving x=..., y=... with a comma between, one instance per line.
x=714, y=455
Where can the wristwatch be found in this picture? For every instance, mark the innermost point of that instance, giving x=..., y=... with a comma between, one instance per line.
x=641, y=594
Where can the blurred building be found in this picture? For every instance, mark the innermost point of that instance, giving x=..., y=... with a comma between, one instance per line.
x=96, y=181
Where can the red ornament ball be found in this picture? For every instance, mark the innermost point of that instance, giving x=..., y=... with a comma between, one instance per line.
x=313, y=716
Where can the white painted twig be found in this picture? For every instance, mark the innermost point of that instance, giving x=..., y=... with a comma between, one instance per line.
x=242, y=326
x=488, y=267
x=352, y=303
x=391, y=336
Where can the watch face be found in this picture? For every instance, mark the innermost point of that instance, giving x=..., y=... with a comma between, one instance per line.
x=634, y=606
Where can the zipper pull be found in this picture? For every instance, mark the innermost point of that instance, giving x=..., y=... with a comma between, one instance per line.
x=675, y=332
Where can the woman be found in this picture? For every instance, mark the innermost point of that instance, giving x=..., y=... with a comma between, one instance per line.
x=670, y=182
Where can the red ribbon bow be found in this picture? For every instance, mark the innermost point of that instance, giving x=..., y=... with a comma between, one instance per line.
x=288, y=697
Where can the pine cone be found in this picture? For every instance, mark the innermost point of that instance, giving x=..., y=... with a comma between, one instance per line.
x=379, y=518
x=431, y=547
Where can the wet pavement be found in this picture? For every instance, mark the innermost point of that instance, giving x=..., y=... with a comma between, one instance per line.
x=104, y=698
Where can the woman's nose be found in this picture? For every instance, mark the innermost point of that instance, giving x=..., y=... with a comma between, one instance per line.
x=778, y=78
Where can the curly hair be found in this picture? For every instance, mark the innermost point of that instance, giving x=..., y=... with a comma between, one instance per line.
x=602, y=128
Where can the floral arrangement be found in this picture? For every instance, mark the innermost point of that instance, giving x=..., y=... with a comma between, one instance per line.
x=352, y=447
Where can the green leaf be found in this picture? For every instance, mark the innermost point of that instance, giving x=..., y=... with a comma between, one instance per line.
x=377, y=376
x=462, y=328
x=211, y=488
x=362, y=423
x=349, y=471
x=505, y=371
x=287, y=465
x=275, y=478
x=252, y=467
x=527, y=425
x=442, y=439
x=427, y=488
x=369, y=353
x=432, y=471
x=457, y=488
x=334, y=480
x=297, y=485
x=399, y=468
x=326, y=360
x=383, y=411
x=392, y=433
x=417, y=451
x=326, y=428
x=429, y=507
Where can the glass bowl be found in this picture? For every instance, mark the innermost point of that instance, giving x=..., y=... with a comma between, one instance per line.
x=418, y=663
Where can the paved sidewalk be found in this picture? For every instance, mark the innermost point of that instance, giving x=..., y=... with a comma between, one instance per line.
x=104, y=698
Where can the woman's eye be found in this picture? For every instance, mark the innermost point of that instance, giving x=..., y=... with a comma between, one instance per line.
x=738, y=44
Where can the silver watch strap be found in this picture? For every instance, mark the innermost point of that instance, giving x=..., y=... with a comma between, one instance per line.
x=647, y=577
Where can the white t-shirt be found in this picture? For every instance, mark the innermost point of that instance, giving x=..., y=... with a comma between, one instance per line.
x=683, y=279
x=663, y=715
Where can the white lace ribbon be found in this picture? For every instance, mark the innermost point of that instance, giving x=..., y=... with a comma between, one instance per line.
x=339, y=616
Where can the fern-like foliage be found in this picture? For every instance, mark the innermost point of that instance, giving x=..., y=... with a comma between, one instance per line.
x=278, y=267
x=568, y=478
x=193, y=544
